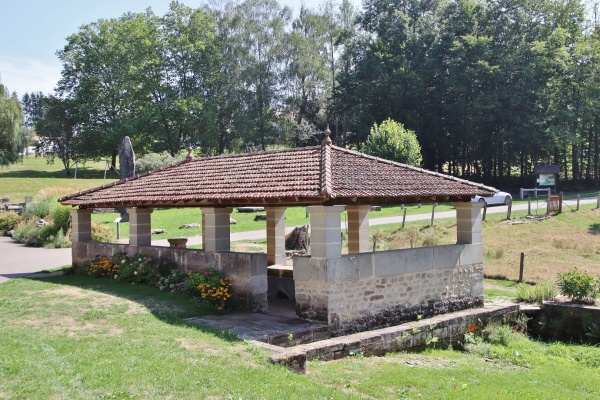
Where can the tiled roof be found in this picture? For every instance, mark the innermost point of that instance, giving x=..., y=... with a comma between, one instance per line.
x=323, y=174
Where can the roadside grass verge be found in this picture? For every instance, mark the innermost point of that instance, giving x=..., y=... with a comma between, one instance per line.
x=85, y=338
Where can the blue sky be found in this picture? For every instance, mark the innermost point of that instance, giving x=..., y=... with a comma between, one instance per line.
x=31, y=31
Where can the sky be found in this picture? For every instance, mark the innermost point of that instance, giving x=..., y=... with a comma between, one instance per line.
x=32, y=31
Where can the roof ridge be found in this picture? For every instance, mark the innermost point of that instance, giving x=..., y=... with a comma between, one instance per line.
x=326, y=170
x=237, y=155
x=418, y=169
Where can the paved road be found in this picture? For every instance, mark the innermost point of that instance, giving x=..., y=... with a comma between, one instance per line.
x=17, y=260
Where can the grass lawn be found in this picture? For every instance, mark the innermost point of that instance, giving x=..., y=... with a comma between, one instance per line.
x=171, y=219
x=84, y=338
x=34, y=174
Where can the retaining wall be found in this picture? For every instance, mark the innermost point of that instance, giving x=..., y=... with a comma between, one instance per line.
x=365, y=291
x=248, y=271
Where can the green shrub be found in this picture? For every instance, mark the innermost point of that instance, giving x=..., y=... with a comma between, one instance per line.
x=579, y=286
x=103, y=233
x=8, y=221
x=31, y=235
x=61, y=217
x=142, y=269
x=59, y=241
x=39, y=209
x=536, y=293
x=152, y=161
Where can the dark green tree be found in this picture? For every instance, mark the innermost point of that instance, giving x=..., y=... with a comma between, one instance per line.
x=56, y=131
x=12, y=141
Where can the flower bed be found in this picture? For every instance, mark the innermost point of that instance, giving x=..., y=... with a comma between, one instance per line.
x=211, y=286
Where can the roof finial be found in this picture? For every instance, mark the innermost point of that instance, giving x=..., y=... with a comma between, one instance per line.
x=327, y=140
x=190, y=156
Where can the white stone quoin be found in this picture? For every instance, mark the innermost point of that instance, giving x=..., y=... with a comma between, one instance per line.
x=140, y=227
x=81, y=230
x=216, y=228
x=468, y=222
x=276, y=235
x=326, y=231
x=358, y=228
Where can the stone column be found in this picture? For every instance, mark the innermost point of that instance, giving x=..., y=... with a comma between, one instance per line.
x=326, y=231
x=216, y=226
x=468, y=222
x=140, y=231
x=358, y=228
x=276, y=235
x=82, y=225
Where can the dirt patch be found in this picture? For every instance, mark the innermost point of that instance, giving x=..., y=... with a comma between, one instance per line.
x=190, y=345
x=70, y=326
x=67, y=291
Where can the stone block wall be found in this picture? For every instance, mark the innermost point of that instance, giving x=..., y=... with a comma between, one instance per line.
x=370, y=290
x=248, y=271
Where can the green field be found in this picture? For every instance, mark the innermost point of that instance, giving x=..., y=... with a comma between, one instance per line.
x=34, y=174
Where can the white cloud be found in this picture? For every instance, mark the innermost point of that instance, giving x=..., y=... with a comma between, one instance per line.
x=21, y=74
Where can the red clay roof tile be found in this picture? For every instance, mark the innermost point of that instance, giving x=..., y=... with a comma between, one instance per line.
x=323, y=174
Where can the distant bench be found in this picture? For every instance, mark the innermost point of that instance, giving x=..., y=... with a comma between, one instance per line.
x=534, y=191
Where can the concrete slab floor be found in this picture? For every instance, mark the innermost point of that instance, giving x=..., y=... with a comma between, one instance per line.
x=279, y=326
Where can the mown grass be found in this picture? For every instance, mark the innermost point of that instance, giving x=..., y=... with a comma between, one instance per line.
x=27, y=178
x=84, y=338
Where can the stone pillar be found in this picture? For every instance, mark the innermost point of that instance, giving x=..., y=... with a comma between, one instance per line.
x=203, y=231
x=216, y=228
x=276, y=235
x=82, y=225
x=468, y=222
x=358, y=228
x=140, y=231
x=326, y=231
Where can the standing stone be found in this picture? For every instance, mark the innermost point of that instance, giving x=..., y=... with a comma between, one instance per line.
x=126, y=159
x=126, y=168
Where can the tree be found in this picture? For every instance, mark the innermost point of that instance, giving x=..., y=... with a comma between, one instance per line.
x=55, y=129
x=182, y=80
x=104, y=67
x=252, y=34
x=11, y=136
x=392, y=141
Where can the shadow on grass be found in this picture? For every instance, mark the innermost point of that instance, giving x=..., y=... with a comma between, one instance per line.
x=594, y=229
x=170, y=308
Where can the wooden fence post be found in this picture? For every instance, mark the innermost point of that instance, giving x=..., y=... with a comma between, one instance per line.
x=521, y=266
x=404, y=218
x=529, y=205
x=560, y=200
x=432, y=213
x=484, y=210
x=578, y=198
x=509, y=210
